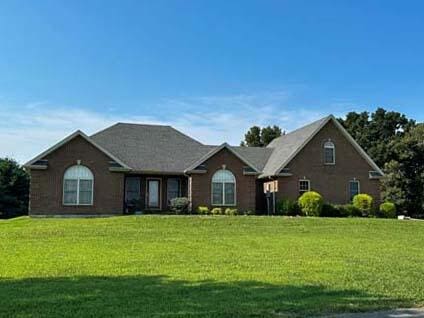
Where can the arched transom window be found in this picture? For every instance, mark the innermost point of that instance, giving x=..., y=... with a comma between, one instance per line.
x=223, y=188
x=78, y=186
x=329, y=153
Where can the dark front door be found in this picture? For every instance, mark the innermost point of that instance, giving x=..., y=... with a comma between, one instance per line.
x=153, y=194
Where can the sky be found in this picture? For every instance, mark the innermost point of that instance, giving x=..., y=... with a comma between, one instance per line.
x=211, y=69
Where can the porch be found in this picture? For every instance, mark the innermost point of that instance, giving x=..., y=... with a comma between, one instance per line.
x=152, y=192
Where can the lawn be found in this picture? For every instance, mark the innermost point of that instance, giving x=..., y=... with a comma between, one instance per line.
x=189, y=266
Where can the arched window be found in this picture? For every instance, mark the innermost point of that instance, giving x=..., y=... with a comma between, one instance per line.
x=223, y=188
x=78, y=186
x=329, y=153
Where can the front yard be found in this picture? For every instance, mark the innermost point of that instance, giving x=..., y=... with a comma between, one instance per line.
x=191, y=266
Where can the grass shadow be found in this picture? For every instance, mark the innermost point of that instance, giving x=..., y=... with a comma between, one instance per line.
x=158, y=296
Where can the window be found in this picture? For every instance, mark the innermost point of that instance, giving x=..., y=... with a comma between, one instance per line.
x=223, y=188
x=304, y=186
x=353, y=188
x=173, y=189
x=132, y=189
x=329, y=153
x=78, y=186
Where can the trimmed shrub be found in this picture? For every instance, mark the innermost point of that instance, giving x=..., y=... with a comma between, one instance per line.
x=363, y=202
x=311, y=203
x=230, y=211
x=180, y=205
x=387, y=210
x=216, y=211
x=331, y=211
x=288, y=207
x=204, y=210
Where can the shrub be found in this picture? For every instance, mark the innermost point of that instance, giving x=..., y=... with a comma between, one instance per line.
x=216, y=211
x=331, y=211
x=311, y=203
x=203, y=210
x=363, y=202
x=248, y=212
x=387, y=210
x=348, y=210
x=288, y=207
x=180, y=205
x=230, y=211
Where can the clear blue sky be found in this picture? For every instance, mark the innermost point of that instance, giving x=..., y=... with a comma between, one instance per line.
x=210, y=68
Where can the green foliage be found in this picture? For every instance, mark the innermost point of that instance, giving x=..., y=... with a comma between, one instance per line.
x=248, y=212
x=257, y=137
x=311, y=203
x=332, y=211
x=387, y=210
x=403, y=183
x=14, y=189
x=180, y=205
x=230, y=211
x=122, y=266
x=203, y=210
x=363, y=202
x=216, y=211
x=350, y=210
x=288, y=207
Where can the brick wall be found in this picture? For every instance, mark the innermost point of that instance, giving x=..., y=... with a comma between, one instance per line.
x=245, y=185
x=46, y=190
x=332, y=181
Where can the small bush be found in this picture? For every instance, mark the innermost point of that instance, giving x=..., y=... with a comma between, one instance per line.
x=180, y=205
x=248, y=212
x=387, y=210
x=204, y=210
x=230, y=211
x=331, y=211
x=348, y=210
x=363, y=202
x=288, y=207
x=216, y=211
x=311, y=203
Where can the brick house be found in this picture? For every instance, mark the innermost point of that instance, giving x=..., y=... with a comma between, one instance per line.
x=131, y=166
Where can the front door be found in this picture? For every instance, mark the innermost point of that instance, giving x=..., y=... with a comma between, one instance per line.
x=153, y=193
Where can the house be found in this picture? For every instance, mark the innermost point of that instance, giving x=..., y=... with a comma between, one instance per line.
x=131, y=166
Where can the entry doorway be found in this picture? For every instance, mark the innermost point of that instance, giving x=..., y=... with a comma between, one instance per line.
x=153, y=193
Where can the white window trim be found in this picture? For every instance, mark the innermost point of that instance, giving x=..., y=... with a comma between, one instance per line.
x=309, y=186
x=78, y=193
x=359, y=187
x=333, y=147
x=223, y=191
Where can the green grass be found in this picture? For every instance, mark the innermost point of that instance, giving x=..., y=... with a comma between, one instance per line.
x=178, y=266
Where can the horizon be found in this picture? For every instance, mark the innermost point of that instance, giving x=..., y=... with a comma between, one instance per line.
x=211, y=70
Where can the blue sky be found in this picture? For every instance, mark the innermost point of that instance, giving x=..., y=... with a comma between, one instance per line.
x=210, y=68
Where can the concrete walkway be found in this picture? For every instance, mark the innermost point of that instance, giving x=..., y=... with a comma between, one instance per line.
x=397, y=313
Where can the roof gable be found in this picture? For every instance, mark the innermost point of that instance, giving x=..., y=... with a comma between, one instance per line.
x=64, y=141
x=288, y=146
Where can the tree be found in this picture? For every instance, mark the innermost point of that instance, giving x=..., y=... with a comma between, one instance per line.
x=257, y=137
x=375, y=133
x=14, y=188
x=403, y=183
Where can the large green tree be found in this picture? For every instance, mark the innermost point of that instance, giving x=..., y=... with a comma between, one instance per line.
x=261, y=137
x=403, y=183
x=14, y=188
x=375, y=131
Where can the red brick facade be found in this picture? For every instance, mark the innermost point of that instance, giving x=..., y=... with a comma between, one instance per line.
x=200, y=184
x=332, y=181
x=46, y=193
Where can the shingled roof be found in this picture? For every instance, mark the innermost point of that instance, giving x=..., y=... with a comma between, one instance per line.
x=163, y=149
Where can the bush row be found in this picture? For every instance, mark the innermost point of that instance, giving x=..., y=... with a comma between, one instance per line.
x=311, y=203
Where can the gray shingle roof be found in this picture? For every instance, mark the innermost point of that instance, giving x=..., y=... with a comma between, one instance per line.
x=151, y=148
x=285, y=147
x=257, y=156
